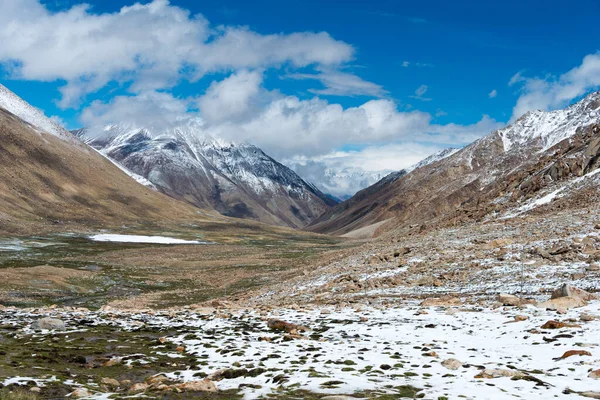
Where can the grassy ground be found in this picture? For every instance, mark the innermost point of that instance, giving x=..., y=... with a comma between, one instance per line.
x=71, y=270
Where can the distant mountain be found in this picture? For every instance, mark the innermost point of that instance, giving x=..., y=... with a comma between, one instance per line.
x=51, y=181
x=235, y=179
x=505, y=173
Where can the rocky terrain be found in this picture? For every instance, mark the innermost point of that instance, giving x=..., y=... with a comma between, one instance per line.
x=235, y=179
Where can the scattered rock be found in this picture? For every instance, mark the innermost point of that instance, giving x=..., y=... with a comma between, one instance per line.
x=594, y=374
x=572, y=353
x=204, y=385
x=498, y=373
x=279, y=325
x=452, y=364
x=110, y=382
x=559, y=325
x=441, y=301
x=138, y=387
x=587, y=317
x=48, y=324
x=79, y=393
x=511, y=300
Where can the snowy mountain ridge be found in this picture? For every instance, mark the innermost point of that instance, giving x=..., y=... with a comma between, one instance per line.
x=19, y=107
x=236, y=179
x=551, y=127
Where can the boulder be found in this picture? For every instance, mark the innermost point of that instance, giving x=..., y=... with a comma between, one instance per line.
x=562, y=303
x=594, y=374
x=48, y=324
x=570, y=291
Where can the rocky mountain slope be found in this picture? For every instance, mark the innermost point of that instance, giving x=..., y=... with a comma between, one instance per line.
x=51, y=181
x=506, y=173
x=237, y=180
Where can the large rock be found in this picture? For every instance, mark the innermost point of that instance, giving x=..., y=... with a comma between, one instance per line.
x=48, y=324
x=570, y=291
x=562, y=303
x=566, y=297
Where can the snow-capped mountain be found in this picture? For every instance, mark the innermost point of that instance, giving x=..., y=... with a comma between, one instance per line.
x=494, y=175
x=36, y=118
x=236, y=179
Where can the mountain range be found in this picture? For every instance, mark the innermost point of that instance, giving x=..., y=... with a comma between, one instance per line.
x=236, y=179
x=541, y=157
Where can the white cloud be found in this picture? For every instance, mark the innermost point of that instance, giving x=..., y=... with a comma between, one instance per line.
x=420, y=92
x=150, y=109
x=232, y=98
x=493, y=94
x=153, y=45
x=342, y=84
x=555, y=92
x=343, y=173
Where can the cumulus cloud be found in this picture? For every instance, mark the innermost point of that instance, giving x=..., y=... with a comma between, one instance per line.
x=152, y=45
x=553, y=92
x=152, y=109
x=233, y=98
x=493, y=94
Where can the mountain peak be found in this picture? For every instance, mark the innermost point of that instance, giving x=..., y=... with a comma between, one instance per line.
x=551, y=127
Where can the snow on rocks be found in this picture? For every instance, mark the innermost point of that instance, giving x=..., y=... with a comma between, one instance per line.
x=360, y=350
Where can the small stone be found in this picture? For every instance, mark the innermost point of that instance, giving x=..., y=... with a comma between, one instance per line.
x=364, y=319
x=520, y=318
x=594, y=374
x=452, y=364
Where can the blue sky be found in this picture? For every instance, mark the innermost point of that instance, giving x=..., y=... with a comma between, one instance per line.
x=436, y=73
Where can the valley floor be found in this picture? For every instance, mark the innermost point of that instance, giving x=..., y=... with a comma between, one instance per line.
x=413, y=315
